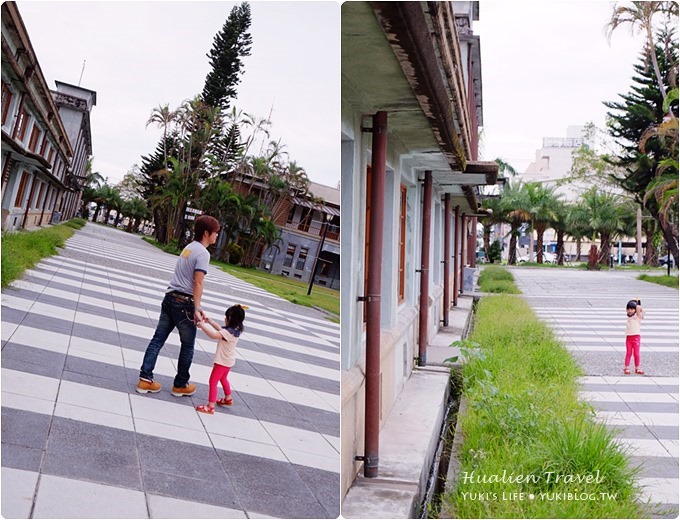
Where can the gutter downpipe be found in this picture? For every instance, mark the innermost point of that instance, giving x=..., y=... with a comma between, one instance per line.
x=372, y=406
x=456, y=252
x=447, y=254
x=425, y=270
x=463, y=250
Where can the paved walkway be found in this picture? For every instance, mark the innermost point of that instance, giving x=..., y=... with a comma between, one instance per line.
x=587, y=311
x=79, y=442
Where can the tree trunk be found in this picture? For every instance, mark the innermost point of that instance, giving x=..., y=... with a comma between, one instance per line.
x=539, y=244
x=560, y=248
x=512, y=249
x=487, y=240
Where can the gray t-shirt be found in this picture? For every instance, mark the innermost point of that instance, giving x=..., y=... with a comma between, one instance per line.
x=194, y=257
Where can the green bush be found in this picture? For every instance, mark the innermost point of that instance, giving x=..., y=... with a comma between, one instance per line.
x=234, y=253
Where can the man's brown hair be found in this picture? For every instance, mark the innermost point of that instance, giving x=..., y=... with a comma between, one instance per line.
x=205, y=223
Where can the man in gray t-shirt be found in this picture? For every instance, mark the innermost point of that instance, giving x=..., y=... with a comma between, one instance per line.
x=181, y=308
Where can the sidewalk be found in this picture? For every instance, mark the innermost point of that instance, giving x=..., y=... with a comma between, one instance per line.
x=79, y=442
x=409, y=437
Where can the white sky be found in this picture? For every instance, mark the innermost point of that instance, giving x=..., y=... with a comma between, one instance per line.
x=547, y=65
x=143, y=54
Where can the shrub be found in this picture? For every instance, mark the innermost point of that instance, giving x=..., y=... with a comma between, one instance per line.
x=234, y=253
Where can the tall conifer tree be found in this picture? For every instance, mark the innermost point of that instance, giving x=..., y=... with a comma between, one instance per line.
x=230, y=45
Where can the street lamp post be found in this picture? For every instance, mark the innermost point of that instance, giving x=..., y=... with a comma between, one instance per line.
x=327, y=222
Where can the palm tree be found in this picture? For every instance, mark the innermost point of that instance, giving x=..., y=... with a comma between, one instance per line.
x=578, y=225
x=163, y=117
x=559, y=224
x=664, y=187
x=541, y=208
x=513, y=206
x=607, y=218
x=493, y=217
x=640, y=16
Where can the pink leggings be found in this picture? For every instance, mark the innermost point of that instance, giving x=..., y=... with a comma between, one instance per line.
x=633, y=349
x=219, y=373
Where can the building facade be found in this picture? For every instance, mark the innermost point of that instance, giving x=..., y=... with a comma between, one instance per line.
x=411, y=108
x=310, y=239
x=43, y=164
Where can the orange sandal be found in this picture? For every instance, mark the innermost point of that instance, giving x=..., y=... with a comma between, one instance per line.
x=225, y=401
x=204, y=408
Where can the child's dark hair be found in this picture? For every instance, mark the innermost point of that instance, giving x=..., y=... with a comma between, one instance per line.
x=235, y=316
x=632, y=304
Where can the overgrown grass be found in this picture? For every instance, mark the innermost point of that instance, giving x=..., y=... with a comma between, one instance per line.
x=668, y=281
x=524, y=427
x=495, y=279
x=24, y=249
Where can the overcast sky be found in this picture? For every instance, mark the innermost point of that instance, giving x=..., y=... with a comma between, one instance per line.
x=139, y=55
x=547, y=65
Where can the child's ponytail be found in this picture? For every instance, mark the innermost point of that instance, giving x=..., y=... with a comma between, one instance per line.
x=235, y=316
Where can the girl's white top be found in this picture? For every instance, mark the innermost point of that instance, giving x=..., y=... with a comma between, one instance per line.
x=633, y=325
x=225, y=354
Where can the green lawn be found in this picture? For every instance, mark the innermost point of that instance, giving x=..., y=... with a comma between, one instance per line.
x=668, y=281
x=292, y=290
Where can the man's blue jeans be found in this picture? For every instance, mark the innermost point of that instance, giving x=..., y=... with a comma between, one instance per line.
x=174, y=313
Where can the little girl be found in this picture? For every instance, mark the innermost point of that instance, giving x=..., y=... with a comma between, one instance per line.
x=225, y=355
x=635, y=316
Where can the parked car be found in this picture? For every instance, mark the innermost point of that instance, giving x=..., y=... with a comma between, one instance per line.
x=663, y=260
x=549, y=258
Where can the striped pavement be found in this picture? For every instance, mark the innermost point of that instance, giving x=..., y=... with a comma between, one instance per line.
x=79, y=442
x=587, y=312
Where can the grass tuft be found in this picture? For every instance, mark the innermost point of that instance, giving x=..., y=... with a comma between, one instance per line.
x=495, y=279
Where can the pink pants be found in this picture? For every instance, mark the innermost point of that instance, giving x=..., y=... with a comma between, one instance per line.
x=633, y=349
x=219, y=373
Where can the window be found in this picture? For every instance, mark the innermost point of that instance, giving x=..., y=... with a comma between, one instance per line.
x=35, y=138
x=22, y=124
x=302, y=258
x=402, y=243
x=290, y=253
x=6, y=101
x=291, y=214
x=305, y=219
x=325, y=268
x=22, y=189
x=39, y=198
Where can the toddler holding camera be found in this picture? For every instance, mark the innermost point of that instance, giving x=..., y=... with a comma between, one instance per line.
x=635, y=316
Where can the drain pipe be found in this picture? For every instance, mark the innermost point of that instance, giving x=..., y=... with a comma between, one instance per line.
x=463, y=250
x=375, y=245
x=456, y=253
x=447, y=249
x=425, y=270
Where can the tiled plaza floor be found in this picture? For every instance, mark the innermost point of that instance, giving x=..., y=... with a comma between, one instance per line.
x=79, y=442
